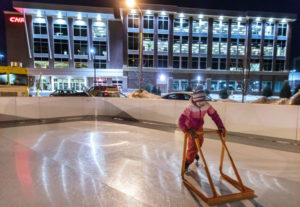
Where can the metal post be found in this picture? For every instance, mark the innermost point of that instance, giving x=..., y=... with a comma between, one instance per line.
x=141, y=51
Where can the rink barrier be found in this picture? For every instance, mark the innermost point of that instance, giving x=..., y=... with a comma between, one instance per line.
x=278, y=121
x=244, y=191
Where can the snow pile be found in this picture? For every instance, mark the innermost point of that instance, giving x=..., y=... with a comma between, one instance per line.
x=295, y=99
x=264, y=100
x=143, y=94
x=227, y=101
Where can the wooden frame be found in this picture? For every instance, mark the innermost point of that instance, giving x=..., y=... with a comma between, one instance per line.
x=244, y=193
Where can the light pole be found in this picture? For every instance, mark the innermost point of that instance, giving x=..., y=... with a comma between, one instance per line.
x=131, y=4
x=92, y=51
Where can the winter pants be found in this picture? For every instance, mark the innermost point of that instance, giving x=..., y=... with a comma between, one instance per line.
x=192, y=149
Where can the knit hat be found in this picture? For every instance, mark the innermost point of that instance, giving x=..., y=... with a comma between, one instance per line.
x=199, y=94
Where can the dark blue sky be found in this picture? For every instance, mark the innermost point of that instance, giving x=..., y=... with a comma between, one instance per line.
x=289, y=6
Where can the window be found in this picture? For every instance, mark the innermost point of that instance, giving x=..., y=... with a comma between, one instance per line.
x=163, y=23
x=148, y=22
x=133, y=41
x=163, y=43
x=41, y=62
x=61, y=63
x=256, y=28
x=222, y=85
x=200, y=26
x=279, y=65
x=240, y=64
x=213, y=85
x=223, y=49
x=80, y=30
x=215, y=46
x=254, y=65
x=133, y=21
x=224, y=28
x=277, y=87
x=195, y=62
x=61, y=47
x=222, y=63
x=100, y=48
x=195, y=45
x=3, y=79
x=233, y=64
x=216, y=27
x=40, y=28
x=282, y=30
x=60, y=84
x=99, y=29
x=181, y=25
x=238, y=28
x=268, y=48
x=202, y=63
x=77, y=84
x=81, y=63
x=255, y=47
x=281, y=48
x=40, y=45
x=185, y=25
x=196, y=26
x=176, y=62
x=234, y=47
x=100, y=64
x=147, y=61
x=185, y=44
x=60, y=30
x=176, y=44
x=241, y=47
x=18, y=79
x=267, y=65
x=203, y=45
x=177, y=25
x=80, y=47
x=270, y=28
x=254, y=86
x=184, y=62
x=215, y=63
x=266, y=84
x=162, y=61
x=204, y=26
x=148, y=43
x=133, y=60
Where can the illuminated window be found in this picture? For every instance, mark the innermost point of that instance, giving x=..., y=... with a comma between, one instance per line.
x=282, y=30
x=216, y=46
x=163, y=43
x=241, y=47
x=234, y=47
x=133, y=60
x=77, y=84
x=185, y=44
x=133, y=21
x=216, y=27
x=281, y=48
x=181, y=25
x=163, y=23
x=101, y=64
x=256, y=28
x=100, y=48
x=60, y=84
x=40, y=45
x=195, y=45
x=200, y=26
x=233, y=64
x=61, y=63
x=277, y=87
x=40, y=28
x=185, y=25
x=176, y=44
x=99, y=29
x=61, y=46
x=80, y=47
x=148, y=43
x=41, y=62
x=177, y=27
x=270, y=28
x=81, y=63
x=268, y=48
x=254, y=86
x=267, y=65
x=133, y=41
x=203, y=45
x=223, y=46
x=147, y=61
x=162, y=61
x=220, y=27
x=238, y=28
x=255, y=47
x=254, y=65
x=60, y=30
x=80, y=30
x=148, y=22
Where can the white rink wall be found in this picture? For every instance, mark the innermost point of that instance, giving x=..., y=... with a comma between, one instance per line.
x=278, y=121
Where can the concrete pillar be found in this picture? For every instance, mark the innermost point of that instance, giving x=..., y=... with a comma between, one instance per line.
x=50, y=41
x=125, y=48
x=228, y=45
x=260, y=85
x=171, y=38
x=262, y=42
x=247, y=57
x=90, y=43
x=275, y=47
x=190, y=42
x=155, y=58
x=288, y=47
x=209, y=43
x=30, y=40
x=71, y=42
x=208, y=83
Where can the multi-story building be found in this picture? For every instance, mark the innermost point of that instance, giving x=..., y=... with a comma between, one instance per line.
x=181, y=46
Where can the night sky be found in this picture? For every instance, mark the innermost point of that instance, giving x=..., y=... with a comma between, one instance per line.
x=285, y=6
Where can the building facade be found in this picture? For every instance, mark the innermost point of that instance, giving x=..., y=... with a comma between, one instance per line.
x=77, y=47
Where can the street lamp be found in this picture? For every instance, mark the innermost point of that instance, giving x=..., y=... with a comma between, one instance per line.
x=92, y=51
x=132, y=4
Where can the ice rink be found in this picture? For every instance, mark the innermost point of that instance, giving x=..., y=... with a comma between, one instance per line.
x=103, y=163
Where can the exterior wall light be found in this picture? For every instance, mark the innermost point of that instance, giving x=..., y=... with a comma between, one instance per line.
x=79, y=16
x=163, y=13
x=271, y=20
x=221, y=18
x=199, y=78
x=181, y=15
x=39, y=13
x=258, y=19
x=284, y=20
x=162, y=77
x=130, y=3
x=59, y=15
x=99, y=17
x=240, y=19
x=148, y=12
x=200, y=16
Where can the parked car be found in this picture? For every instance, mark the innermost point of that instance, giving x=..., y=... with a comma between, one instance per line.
x=104, y=91
x=182, y=96
x=68, y=92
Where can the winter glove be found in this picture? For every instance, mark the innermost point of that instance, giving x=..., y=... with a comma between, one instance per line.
x=193, y=133
x=222, y=131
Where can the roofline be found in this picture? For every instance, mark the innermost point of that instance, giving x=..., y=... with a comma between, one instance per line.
x=62, y=7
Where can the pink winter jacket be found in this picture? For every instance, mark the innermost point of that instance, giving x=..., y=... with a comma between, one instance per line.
x=193, y=116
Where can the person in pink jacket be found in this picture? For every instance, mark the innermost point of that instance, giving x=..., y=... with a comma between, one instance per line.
x=192, y=120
